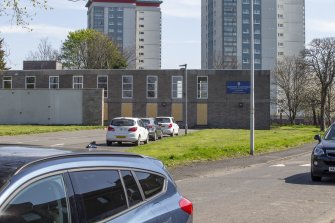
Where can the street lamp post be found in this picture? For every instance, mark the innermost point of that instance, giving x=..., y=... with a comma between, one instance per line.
x=252, y=82
x=184, y=66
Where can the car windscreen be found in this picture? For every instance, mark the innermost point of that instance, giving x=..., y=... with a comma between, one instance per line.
x=123, y=122
x=146, y=121
x=330, y=135
x=163, y=120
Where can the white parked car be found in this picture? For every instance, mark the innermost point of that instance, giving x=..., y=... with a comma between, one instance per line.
x=126, y=129
x=168, y=125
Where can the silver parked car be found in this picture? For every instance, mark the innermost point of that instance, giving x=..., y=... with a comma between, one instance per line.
x=155, y=131
x=168, y=125
x=126, y=129
x=40, y=185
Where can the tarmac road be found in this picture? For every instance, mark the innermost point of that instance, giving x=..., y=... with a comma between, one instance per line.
x=75, y=141
x=272, y=188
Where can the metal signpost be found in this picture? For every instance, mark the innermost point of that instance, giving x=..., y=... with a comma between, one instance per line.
x=184, y=66
x=252, y=71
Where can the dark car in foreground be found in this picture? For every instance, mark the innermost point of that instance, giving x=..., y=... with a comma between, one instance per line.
x=323, y=155
x=55, y=186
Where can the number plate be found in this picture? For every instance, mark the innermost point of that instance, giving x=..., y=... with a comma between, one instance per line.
x=120, y=137
x=331, y=169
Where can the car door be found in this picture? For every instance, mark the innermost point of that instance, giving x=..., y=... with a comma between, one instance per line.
x=42, y=200
x=143, y=130
x=116, y=196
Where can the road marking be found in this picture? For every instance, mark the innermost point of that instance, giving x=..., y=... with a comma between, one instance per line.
x=308, y=165
x=61, y=144
x=278, y=165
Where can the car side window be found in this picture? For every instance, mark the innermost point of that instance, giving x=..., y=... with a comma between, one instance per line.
x=140, y=123
x=42, y=201
x=101, y=192
x=151, y=184
x=133, y=192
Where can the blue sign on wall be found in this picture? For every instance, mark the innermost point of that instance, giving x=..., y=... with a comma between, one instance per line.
x=238, y=87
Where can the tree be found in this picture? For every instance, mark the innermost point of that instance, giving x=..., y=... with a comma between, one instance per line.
x=90, y=49
x=291, y=79
x=226, y=62
x=20, y=10
x=44, y=51
x=320, y=57
x=2, y=56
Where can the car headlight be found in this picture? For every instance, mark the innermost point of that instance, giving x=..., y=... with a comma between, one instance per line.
x=318, y=151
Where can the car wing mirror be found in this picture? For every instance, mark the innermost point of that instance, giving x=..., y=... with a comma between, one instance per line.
x=317, y=137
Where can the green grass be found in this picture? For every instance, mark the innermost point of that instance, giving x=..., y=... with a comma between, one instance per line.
x=217, y=144
x=11, y=130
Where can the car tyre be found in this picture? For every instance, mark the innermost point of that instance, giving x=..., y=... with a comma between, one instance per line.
x=109, y=143
x=138, y=142
x=315, y=178
x=147, y=140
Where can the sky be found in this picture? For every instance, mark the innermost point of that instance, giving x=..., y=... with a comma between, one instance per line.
x=181, y=29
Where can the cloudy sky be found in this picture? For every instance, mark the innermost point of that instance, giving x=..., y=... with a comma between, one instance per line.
x=181, y=29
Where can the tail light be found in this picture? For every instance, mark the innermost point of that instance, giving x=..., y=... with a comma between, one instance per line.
x=111, y=129
x=186, y=206
x=133, y=129
x=150, y=126
x=170, y=125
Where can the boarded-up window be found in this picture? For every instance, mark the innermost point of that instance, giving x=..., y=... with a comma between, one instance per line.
x=201, y=114
x=177, y=111
x=127, y=110
x=152, y=110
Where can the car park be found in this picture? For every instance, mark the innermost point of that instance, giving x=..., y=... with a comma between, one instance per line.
x=323, y=155
x=127, y=129
x=49, y=185
x=168, y=125
x=155, y=131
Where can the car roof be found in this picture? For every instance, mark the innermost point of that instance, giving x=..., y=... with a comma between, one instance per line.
x=18, y=161
x=125, y=118
x=14, y=158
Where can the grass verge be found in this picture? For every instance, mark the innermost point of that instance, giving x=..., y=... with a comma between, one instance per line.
x=215, y=144
x=11, y=130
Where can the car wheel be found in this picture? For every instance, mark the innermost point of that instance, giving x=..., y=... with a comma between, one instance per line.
x=147, y=140
x=109, y=143
x=315, y=178
x=138, y=142
x=155, y=137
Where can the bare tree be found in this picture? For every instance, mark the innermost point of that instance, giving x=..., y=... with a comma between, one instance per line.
x=291, y=79
x=44, y=51
x=129, y=53
x=3, y=56
x=312, y=102
x=22, y=11
x=320, y=57
x=225, y=62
